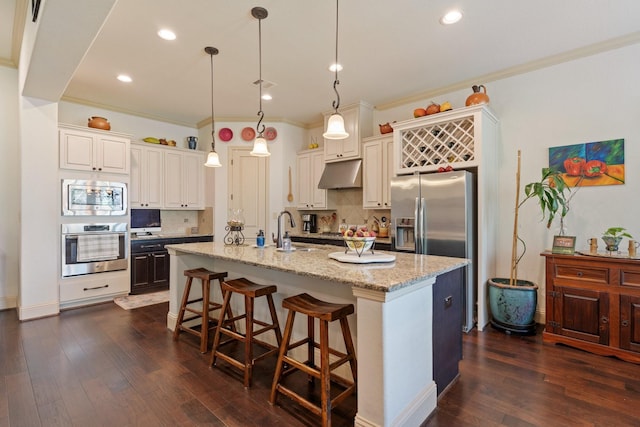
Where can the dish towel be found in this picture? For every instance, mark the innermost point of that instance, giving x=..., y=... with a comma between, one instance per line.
x=98, y=247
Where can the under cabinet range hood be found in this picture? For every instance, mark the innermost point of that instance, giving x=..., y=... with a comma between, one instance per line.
x=345, y=174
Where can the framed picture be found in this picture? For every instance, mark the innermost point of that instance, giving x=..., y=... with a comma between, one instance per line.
x=564, y=245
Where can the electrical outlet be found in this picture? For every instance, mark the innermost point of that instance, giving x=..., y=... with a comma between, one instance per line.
x=186, y=220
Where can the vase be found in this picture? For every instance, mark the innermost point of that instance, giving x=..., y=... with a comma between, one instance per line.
x=513, y=308
x=99, y=123
x=192, y=141
x=612, y=242
x=477, y=97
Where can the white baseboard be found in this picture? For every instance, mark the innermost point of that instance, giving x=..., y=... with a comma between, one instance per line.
x=7, y=302
x=37, y=311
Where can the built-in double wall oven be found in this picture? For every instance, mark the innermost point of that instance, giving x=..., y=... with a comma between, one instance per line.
x=94, y=248
x=89, y=243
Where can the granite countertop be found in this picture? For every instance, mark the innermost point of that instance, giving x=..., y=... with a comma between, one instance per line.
x=405, y=271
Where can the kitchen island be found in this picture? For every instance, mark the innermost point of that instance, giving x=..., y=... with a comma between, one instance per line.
x=392, y=326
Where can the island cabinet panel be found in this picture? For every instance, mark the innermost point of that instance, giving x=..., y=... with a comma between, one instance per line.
x=593, y=303
x=447, y=328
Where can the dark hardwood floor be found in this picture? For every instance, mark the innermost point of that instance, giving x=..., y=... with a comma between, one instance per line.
x=105, y=366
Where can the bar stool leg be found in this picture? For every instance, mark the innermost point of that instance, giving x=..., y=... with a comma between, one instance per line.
x=223, y=313
x=248, y=341
x=348, y=344
x=325, y=373
x=204, y=340
x=286, y=338
x=185, y=299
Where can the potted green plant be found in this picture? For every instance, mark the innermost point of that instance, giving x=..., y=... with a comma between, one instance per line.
x=613, y=236
x=513, y=301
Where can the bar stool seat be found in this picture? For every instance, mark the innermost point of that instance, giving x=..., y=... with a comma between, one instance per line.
x=207, y=322
x=325, y=312
x=226, y=323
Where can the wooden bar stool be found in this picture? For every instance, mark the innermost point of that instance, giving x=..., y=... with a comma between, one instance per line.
x=325, y=312
x=208, y=306
x=226, y=323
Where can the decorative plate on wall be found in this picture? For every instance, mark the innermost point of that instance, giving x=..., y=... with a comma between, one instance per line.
x=248, y=133
x=270, y=134
x=225, y=134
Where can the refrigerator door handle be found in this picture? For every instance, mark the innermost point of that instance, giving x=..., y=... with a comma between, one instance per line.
x=423, y=226
x=416, y=226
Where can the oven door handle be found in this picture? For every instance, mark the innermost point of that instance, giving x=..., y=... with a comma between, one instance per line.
x=75, y=236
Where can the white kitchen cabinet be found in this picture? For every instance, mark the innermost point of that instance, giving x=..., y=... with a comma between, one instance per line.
x=358, y=122
x=465, y=138
x=377, y=153
x=88, y=289
x=310, y=164
x=93, y=150
x=183, y=179
x=147, y=176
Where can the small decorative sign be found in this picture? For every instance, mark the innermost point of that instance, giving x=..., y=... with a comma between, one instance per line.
x=564, y=245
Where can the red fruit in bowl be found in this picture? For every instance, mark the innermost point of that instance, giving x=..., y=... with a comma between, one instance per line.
x=360, y=233
x=348, y=233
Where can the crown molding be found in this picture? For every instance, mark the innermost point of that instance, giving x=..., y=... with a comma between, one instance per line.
x=583, y=52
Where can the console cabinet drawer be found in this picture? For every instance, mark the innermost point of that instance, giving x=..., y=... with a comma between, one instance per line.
x=629, y=277
x=583, y=274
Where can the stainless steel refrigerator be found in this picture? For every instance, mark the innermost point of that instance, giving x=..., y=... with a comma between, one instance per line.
x=435, y=214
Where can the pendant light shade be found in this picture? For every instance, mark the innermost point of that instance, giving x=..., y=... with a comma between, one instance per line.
x=260, y=148
x=213, y=161
x=335, y=124
x=335, y=127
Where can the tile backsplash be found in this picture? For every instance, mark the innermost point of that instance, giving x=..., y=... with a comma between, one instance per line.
x=348, y=207
x=178, y=222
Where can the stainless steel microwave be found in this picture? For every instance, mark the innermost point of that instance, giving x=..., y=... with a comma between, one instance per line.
x=85, y=197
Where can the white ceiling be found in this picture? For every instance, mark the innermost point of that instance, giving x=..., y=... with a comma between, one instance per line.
x=392, y=51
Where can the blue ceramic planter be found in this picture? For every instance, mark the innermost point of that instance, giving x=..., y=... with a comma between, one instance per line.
x=513, y=308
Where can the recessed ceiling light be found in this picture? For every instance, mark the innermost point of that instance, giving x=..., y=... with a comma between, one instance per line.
x=125, y=78
x=267, y=97
x=332, y=68
x=167, y=34
x=451, y=17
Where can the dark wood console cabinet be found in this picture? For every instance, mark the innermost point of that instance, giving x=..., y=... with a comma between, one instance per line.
x=593, y=303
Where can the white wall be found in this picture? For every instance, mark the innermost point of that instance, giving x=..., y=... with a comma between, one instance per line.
x=591, y=99
x=9, y=188
x=283, y=149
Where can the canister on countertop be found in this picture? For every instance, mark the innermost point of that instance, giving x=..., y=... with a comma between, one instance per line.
x=286, y=242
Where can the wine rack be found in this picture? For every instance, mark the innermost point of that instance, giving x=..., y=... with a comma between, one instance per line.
x=440, y=140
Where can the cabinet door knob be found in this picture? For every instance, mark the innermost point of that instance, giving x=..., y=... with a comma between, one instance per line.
x=604, y=319
x=625, y=323
x=579, y=273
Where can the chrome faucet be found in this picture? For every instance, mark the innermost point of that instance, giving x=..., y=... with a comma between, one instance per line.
x=278, y=240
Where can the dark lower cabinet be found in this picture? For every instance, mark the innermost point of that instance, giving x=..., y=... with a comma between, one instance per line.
x=150, y=262
x=448, y=310
x=149, y=272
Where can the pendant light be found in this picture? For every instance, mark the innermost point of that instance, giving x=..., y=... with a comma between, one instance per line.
x=335, y=124
x=213, y=161
x=260, y=148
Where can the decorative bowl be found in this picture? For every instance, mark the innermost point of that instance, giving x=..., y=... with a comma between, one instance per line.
x=359, y=244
